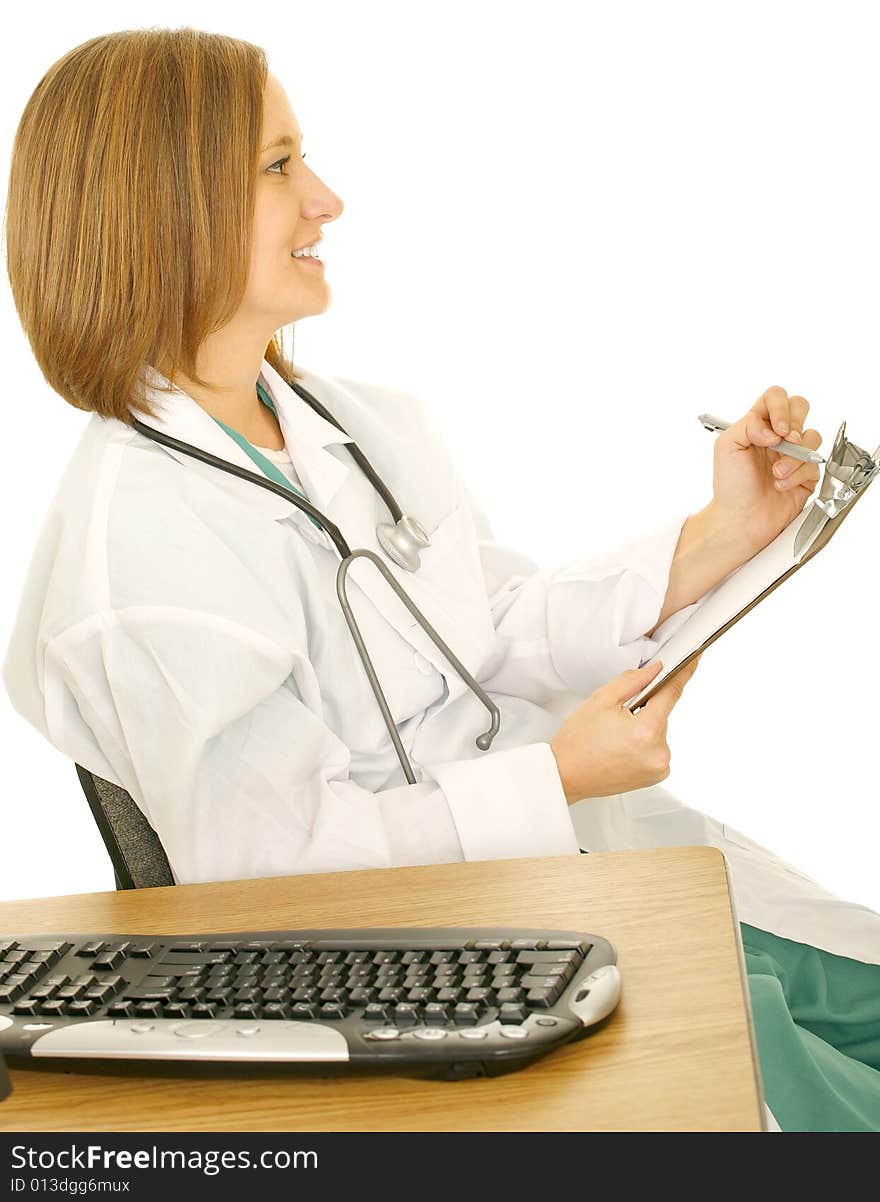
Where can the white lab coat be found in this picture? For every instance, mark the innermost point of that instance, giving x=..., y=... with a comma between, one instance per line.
x=179, y=634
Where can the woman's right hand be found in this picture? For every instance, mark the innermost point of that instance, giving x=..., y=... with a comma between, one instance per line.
x=601, y=748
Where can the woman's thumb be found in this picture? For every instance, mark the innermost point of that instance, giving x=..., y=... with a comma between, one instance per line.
x=628, y=683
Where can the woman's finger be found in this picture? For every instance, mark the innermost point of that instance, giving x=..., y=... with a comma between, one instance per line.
x=775, y=407
x=785, y=464
x=806, y=474
x=800, y=407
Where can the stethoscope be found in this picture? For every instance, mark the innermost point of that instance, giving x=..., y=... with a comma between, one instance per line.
x=401, y=542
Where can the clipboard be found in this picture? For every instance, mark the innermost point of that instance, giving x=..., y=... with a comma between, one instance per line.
x=848, y=473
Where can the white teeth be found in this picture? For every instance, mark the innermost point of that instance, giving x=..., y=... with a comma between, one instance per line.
x=307, y=252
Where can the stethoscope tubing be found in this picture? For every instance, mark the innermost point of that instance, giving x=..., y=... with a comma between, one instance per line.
x=484, y=740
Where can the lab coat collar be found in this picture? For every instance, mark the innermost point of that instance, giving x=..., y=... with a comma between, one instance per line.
x=306, y=435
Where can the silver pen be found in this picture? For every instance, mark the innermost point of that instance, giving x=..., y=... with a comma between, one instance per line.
x=784, y=447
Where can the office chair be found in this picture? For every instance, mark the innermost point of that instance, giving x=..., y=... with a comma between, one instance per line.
x=139, y=860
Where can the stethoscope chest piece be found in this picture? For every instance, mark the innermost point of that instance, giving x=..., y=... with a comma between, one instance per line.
x=403, y=542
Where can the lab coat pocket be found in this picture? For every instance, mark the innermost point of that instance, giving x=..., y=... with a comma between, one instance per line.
x=452, y=591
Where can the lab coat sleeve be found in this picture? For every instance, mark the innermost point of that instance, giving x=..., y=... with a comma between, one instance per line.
x=575, y=626
x=217, y=733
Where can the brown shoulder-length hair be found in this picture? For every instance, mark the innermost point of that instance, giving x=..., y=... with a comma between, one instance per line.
x=122, y=251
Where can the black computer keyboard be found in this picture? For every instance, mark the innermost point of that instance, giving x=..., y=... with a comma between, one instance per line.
x=421, y=1001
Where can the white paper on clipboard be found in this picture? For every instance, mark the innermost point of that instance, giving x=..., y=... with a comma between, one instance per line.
x=848, y=472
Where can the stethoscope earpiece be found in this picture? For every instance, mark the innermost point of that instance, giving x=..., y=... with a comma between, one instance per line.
x=403, y=541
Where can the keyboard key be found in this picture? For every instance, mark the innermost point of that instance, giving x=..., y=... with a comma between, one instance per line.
x=510, y=995
x=466, y=1013
x=386, y=957
x=71, y=992
x=247, y=993
x=98, y=993
x=541, y=997
x=360, y=996
x=107, y=960
x=435, y=1014
x=558, y=945
x=538, y=959
x=139, y=993
x=205, y=1010
x=275, y=993
x=376, y=1012
x=511, y=1013
x=333, y=1010
x=169, y=1010
x=26, y=1006
x=246, y=1010
x=276, y=1010
x=51, y=1006
x=550, y=983
x=147, y=1009
x=82, y=1008
x=144, y=949
x=304, y=1010
x=448, y=995
x=479, y=994
x=393, y=994
x=90, y=949
x=406, y=1014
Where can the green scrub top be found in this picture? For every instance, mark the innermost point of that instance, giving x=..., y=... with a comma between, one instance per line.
x=266, y=466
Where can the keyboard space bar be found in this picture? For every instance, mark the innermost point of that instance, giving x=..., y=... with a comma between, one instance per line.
x=194, y=1039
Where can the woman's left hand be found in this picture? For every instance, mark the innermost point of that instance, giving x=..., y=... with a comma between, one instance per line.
x=758, y=491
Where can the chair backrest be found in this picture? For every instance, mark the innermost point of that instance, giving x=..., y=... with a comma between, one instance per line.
x=139, y=860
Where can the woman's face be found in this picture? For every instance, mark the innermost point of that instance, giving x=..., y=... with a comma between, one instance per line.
x=292, y=204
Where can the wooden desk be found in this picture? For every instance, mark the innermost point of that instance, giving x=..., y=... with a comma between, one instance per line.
x=676, y=1055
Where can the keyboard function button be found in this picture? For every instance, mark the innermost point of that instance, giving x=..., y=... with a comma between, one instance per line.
x=474, y=1033
x=430, y=1033
x=383, y=1033
x=514, y=1032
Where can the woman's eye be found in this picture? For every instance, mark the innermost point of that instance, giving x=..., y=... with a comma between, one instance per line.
x=280, y=163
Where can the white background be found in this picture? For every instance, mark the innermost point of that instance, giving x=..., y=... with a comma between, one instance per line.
x=572, y=227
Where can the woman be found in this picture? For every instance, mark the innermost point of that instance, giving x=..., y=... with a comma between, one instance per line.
x=179, y=631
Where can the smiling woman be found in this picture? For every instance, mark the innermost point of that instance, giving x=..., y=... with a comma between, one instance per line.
x=200, y=108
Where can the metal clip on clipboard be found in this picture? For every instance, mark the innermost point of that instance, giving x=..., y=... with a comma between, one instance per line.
x=848, y=471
